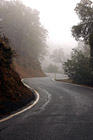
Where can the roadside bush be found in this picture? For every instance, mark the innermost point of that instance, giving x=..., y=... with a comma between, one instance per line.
x=6, y=53
x=78, y=68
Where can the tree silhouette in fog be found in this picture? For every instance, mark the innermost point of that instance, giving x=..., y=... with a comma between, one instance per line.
x=84, y=30
x=22, y=26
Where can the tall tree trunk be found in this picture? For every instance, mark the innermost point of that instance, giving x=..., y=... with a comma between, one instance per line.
x=91, y=50
x=91, y=57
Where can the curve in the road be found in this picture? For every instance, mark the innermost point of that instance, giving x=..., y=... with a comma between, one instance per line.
x=29, y=107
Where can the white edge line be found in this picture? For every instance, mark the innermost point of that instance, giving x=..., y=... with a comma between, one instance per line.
x=29, y=107
x=73, y=84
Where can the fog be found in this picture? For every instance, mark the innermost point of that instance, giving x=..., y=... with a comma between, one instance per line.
x=57, y=16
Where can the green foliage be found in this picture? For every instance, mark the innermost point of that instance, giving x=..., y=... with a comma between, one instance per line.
x=22, y=26
x=78, y=68
x=6, y=53
x=83, y=30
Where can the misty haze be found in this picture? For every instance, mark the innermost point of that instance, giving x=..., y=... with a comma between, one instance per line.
x=46, y=70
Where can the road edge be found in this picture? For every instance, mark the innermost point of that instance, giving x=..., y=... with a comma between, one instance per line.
x=25, y=109
x=73, y=84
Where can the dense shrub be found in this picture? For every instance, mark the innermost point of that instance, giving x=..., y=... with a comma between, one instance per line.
x=6, y=53
x=78, y=68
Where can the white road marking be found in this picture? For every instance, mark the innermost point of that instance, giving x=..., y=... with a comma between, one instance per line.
x=42, y=107
x=49, y=99
x=29, y=107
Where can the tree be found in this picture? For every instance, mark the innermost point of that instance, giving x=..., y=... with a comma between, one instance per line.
x=84, y=30
x=22, y=26
x=58, y=56
x=78, y=67
x=6, y=53
x=52, y=69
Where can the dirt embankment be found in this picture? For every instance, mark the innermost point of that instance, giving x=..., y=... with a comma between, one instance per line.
x=29, y=71
x=13, y=94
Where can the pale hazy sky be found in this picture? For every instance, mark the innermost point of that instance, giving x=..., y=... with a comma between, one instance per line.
x=57, y=16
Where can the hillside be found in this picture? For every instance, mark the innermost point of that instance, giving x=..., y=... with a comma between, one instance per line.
x=27, y=68
x=13, y=94
x=26, y=34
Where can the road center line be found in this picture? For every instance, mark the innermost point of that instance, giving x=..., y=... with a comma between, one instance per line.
x=48, y=99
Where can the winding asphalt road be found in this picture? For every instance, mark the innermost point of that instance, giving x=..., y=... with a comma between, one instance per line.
x=64, y=112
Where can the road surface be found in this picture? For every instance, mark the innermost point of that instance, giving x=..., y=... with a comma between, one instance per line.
x=64, y=112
